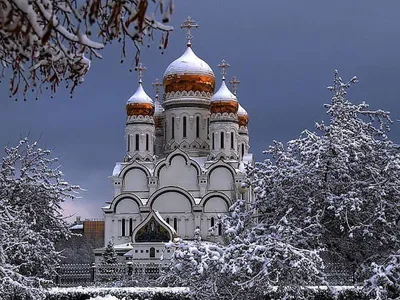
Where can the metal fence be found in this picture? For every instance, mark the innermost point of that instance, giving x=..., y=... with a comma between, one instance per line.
x=140, y=273
x=88, y=274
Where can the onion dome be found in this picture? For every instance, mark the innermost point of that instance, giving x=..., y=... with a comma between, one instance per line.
x=243, y=117
x=223, y=101
x=140, y=104
x=189, y=73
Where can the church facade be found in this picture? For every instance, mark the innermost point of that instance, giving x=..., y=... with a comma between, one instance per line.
x=185, y=161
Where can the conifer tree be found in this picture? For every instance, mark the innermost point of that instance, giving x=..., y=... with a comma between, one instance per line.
x=110, y=256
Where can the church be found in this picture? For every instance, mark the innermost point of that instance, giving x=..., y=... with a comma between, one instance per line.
x=185, y=161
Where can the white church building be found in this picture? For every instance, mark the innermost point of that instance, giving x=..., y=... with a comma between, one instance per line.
x=185, y=161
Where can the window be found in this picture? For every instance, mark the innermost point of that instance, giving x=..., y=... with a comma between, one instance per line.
x=219, y=229
x=130, y=226
x=212, y=222
x=184, y=127
x=172, y=128
x=222, y=141
x=213, y=141
x=232, y=141
x=147, y=142
x=242, y=150
x=123, y=227
x=152, y=252
x=167, y=220
x=129, y=142
x=208, y=128
x=137, y=142
x=197, y=127
x=175, y=224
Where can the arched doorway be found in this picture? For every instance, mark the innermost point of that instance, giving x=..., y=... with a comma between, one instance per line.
x=152, y=252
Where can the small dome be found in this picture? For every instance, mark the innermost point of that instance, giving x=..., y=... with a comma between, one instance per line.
x=223, y=101
x=243, y=117
x=140, y=103
x=189, y=73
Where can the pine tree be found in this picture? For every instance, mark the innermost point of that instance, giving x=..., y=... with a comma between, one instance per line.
x=110, y=256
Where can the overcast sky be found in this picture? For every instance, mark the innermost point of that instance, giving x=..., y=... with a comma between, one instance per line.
x=283, y=52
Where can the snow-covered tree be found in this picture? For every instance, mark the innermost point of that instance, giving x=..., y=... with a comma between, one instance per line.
x=32, y=189
x=109, y=255
x=44, y=42
x=343, y=180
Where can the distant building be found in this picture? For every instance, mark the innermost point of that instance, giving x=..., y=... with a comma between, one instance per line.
x=91, y=229
x=185, y=161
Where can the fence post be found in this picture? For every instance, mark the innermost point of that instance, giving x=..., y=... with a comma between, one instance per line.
x=130, y=268
x=93, y=272
x=58, y=275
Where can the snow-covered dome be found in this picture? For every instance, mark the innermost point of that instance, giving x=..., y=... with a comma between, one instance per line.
x=140, y=103
x=243, y=117
x=223, y=101
x=189, y=73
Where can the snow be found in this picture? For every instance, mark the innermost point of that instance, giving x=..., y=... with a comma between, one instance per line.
x=140, y=96
x=117, y=169
x=241, y=111
x=76, y=227
x=112, y=290
x=188, y=63
x=223, y=94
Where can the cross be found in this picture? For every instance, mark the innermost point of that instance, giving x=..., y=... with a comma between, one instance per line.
x=188, y=24
x=157, y=85
x=223, y=65
x=140, y=68
x=234, y=83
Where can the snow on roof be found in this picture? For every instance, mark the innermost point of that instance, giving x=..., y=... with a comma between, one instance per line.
x=201, y=160
x=241, y=111
x=188, y=63
x=117, y=169
x=76, y=227
x=124, y=246
x=223, y=94
x=161, y=219
x=140, y=96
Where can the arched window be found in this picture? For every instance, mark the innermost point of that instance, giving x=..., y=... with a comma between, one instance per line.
x=172, y=127
x=130, y=226
x=232, y=141
x=123, y=227
x=213, y=141
x=184, y=129
x=242, y=150
x=167, y=220
x=219, y=229
x=197, y=126
x=176, y=224
x=137, y=142
x=152, y=252
x=147, y=142
x=222, y=140
x=212, y=222
x=129, y=142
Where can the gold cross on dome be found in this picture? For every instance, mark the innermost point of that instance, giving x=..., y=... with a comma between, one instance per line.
x=234, y=83
x=188, y=24
x=140, y=68
x=157, y=85
x=223, y=65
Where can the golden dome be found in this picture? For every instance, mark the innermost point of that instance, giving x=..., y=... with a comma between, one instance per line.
x=223, y=101
x=140, y=104
x=189, y=73
x=243, y=117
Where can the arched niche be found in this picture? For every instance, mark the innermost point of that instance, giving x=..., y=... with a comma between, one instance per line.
x=126, y=206
x=152, y=231
x=172, y=201
x=220, y=179
x=179, y=173
x=135, y=180
x=216, y=205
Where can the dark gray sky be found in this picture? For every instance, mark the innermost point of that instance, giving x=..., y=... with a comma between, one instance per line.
x=284, y=53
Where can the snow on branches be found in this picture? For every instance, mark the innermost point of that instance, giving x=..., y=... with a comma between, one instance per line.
x=44, y=42
x=31, y=192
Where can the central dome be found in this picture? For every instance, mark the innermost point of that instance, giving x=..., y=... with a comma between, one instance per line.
x=189, y=73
